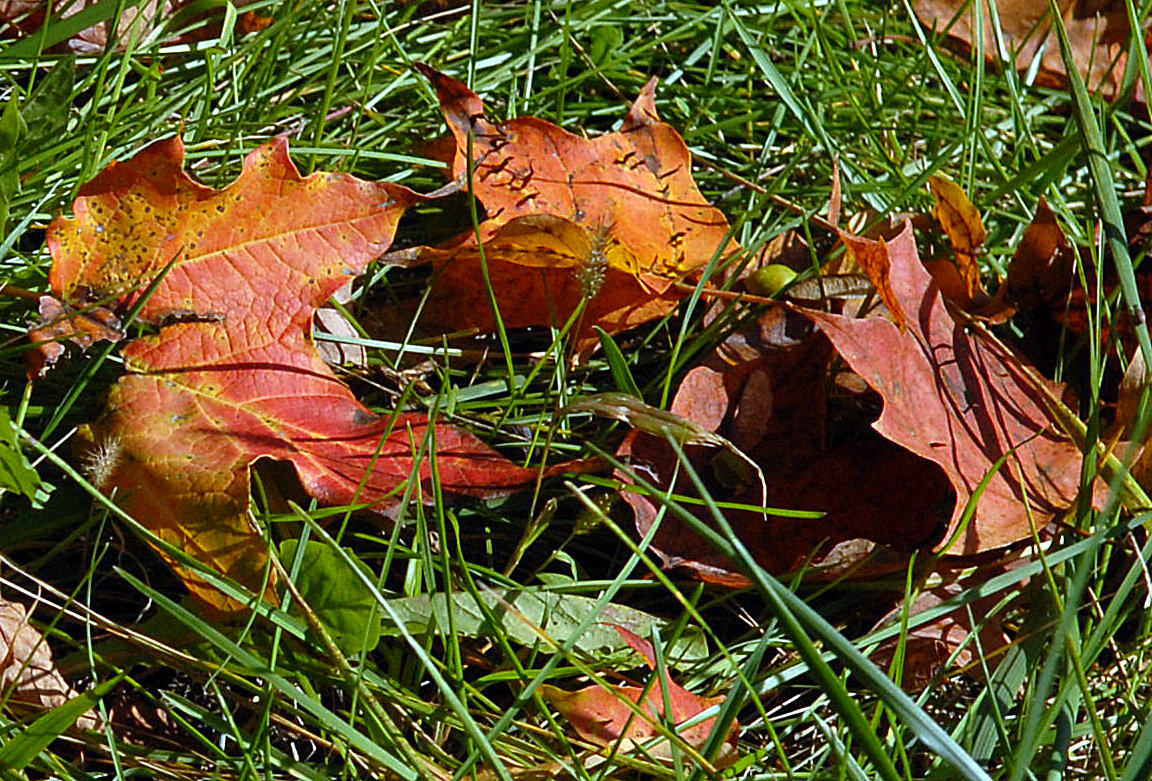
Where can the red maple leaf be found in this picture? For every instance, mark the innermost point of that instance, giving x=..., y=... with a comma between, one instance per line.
x=963, y=402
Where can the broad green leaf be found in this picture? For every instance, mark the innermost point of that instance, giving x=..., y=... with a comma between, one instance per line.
x=341, y=600
x=16, y=474
x=11, y=130
x=525, y=614
x=45, y=113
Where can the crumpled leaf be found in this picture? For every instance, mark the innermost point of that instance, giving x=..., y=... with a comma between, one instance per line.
x=964, y=402
x=1097, y=29
x=599, y=716
x=60, y=325
x=23, y=17
x=872, y=257
x=948, y=639
x=233, y=374
x=139, y=22
x=1040, y=273
x=29, y=680
x=611, y=221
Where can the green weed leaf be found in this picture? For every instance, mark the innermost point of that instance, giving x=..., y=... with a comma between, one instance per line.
x=529, y=615
x=16, y=474
x=341, y=600
x=45, y=113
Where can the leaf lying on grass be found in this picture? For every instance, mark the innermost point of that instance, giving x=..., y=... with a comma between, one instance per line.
x=1099, y=33
x=613, y=220
x=523, y=613
x=961, y=401
x=962, y=422
x=29, y=679
x=233, y=374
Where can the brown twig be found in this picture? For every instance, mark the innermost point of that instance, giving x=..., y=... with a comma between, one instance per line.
x=13, y=291
x=776, y=199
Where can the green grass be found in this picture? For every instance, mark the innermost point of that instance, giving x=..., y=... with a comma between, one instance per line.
x=763, y=93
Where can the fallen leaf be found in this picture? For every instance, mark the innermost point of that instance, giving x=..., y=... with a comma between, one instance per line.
x=1097, y=30
x=766, y=390
x=233, y=374
x=965, y=229
x=609, y=222
x=521, y=614
x=136, y=22
x=872, y=257
x=599, y=716
x=62, y=324
x=947, y=640
x=23, y=17
x=29, y=680
x=964, y=402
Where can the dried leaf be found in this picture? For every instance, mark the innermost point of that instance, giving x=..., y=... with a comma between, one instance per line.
x=1041, y=271
x=137, y=22
x=961, y=221
x=766, y=390
x=237, y=376
x=872, y=257
x=62, y=324
x=1097, y=30
x=29, y=680
x=947, y=639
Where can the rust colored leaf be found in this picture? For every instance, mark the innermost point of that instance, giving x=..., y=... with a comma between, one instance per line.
x=140, y=21
x=29, y=680
x=766, y=390
x=611, y=221
x=961, y=221
x=964, y=402
x=872, y=257
x=599, y=716
x=233, y=374
x=929, y=647
x=1097, y=29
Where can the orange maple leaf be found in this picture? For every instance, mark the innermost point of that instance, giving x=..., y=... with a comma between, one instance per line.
x=238, y=376
x=609, y=223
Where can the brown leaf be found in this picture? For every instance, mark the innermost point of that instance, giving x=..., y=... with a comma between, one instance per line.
x=765, y=390
x=872, y=257
x=962, y=401
x=947, y=639
x=1040, y=273
x=965, y=229
x=28, y=675
x=1097, y=29
x=60, y=324
x=138, y=21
